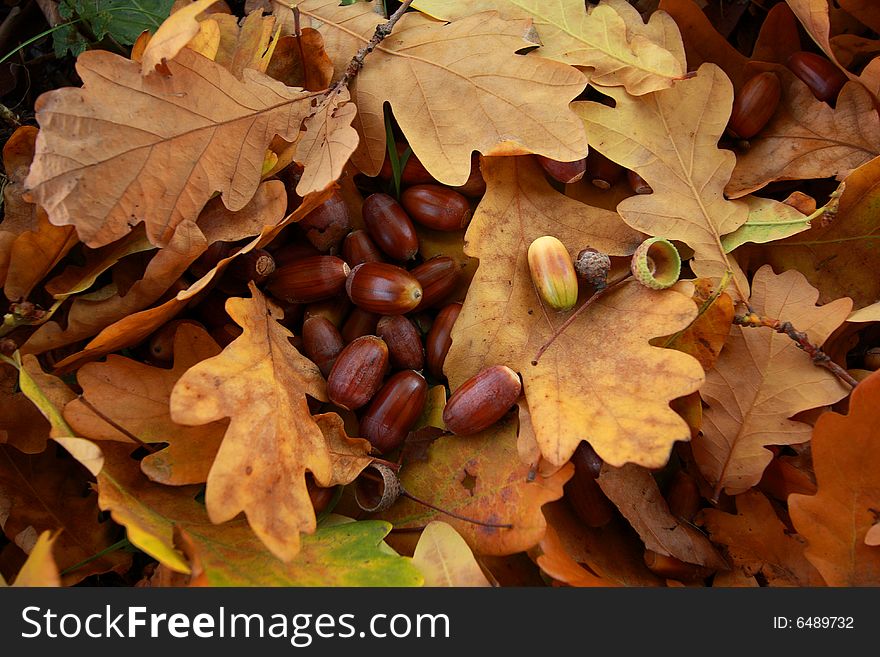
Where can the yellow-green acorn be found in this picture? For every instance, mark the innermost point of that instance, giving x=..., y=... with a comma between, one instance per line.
x=553, y=273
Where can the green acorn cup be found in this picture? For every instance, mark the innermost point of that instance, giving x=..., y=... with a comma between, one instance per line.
x=656, y=263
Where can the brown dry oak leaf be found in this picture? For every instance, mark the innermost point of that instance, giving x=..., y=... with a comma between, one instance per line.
x=836, y=520
x=301, y=61
x=611, y=38
x=758, y=542
x=457, y=88
x=634, y=491
x=125, y=149
x=260, y=381
x=135, y=397
x=575, y=391
x=762, y=379
x=670, y=139
x=22, y=425
x=479, y=477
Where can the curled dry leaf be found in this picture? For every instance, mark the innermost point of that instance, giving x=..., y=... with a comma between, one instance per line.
x=259, y=381
x=670, y=139
x=574, y=391
x=634, y=491
x=440, y=68
x=836, y=520
x=135, y=397
x=160, y=151
x=444, y=558
x=479, y=477
x=762, y=379
x=610, y=39
x=758, y=542
x=813, y=15
x=173, y=34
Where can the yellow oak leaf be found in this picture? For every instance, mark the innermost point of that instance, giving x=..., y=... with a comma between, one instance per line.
x=837, y=519
x=260, y=381
x=125, y=149
x=173, y=34
x=40, y=568
x=574, y=393
x=457, y=88
x=762, y=379
x=611, y=38
x=670, y=139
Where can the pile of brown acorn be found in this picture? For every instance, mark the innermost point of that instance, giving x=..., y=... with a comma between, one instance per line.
x=366, y=308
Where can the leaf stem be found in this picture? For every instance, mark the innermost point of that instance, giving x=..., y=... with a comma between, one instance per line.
x=128, y=434
x=406, y=493
x=107, y=550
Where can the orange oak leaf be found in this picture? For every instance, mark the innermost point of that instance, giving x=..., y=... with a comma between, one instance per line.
x=479, y=477
x=160, y=150
x=611, y=39
x=836, y=520
x=440, y=68
x=135, y=397
x=635, y=492
x=574, y=392
x=759, y=543
x=762, y=379
x=260, y=382
x=558, y=564
x=670, y=139
x=301, y=61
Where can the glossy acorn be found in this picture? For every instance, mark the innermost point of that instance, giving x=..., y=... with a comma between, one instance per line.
x=405, y=349
x=309, y=279
x=583, y=493
x=359, y=322
x=638, y=184
x=390, y=227
x=326, y=225
x=358, y=248
x=256, y=265
x=823, y=78
x=335, y=309
x=297, y=249
x=414, y=172
x=439, y=338
x=394, y=410
x=382, y=288
x=358, y=372
x=754, y=105
x=601, y=171
x=564, y=172
x=437, y=207
x=322, y=342
x=553, y=273
x=482, y=400
x=438, y=278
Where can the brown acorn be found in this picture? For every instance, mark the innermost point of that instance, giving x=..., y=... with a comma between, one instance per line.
x=437, y=207
x=414, y=172
x=394, y=410
x=601, y=171
x=754, y=105
x=215, y=252
x=823, y=78
x=322, y=342
x=482, y=400
x=335, y=309
x=359, y=322
x=583, y=493
x=256, y=265
x=326, y=225
x=358, y=248
x=405, y=350
x=390, y=227
x=358, y=372
x=379, y=287
x=297, y=249
x=564, y=172
x=310, y=279
x=438, y=278
x=871, y=359
x=474, y=186
x=683, y=496
x=638, y=184
x=439, y=338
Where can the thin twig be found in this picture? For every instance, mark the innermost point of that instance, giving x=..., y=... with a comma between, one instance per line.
x=577, y=313
x=115, y=425
x=406, y=493
x=819, y=357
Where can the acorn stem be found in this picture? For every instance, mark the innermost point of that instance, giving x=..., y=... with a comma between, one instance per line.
x=406, y=493
x=568, y=322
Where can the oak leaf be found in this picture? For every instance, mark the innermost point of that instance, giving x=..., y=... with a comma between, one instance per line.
x=301, y=61
x=160, y=150
x=479, y=477
x=813, y=15
x=40, y=568
x=135, y=397
x=769, y=220
x=172, y=35
x=635, y=492
x=574, y=392
x=835, y=255
x=555, y=562
x=758, y=542
x=836, y=520
x=611, y=38
x=670, y=139
x=327, y=144
x=458, y=88
x=22, y=425
x=762, y=379
x=259, y=381
x=444, y=558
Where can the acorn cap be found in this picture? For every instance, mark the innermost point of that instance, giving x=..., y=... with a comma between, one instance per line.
x=656, y=263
